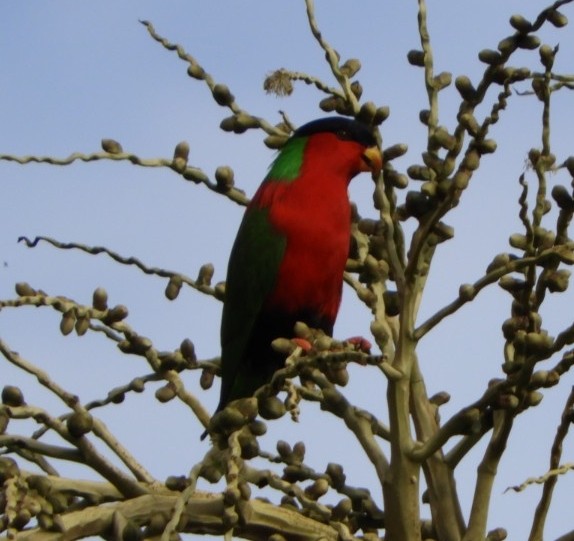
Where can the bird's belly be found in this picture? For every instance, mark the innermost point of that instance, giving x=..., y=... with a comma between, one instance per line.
x=310, y=276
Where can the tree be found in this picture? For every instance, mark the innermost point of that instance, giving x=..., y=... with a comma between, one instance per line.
x=395, y=249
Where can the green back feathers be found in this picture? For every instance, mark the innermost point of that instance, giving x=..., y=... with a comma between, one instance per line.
x=288, y=163
x=253, y=267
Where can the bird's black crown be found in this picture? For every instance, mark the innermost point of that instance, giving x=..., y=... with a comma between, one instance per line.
x=344, y=128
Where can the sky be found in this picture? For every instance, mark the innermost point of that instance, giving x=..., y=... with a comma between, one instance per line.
x=74, y=73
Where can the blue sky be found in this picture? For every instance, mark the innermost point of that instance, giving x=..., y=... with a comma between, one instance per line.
x=76, y=72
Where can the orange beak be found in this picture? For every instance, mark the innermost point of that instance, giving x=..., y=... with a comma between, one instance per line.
x=372, y=161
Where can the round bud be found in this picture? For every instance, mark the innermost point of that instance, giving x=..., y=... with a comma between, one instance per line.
x=442, y=80
x=82, y=325
x=328, y=104
x=392, y=304
x=357, y=89
x=336, y=474
x=546, y=56
x=222, y=95
x=518, y=241
x=275, y=142
x=418, y=172
x=100, y=299
x=196, y=71
x=12, y=396
x=187, y=350
x=180, y=156
x=224, y=178
x=206, y=379
x=257, y=428
x=466, y=292
x=205, y=275
x=381, y=115
x=319, y=488
x=562, y=197
x=557, y=281
x=284, y=449
x=302, y=330
x=68, y=322
x=489, y=56
x=499, y=261
x=350, y=67
x=519, y=23
x=556, y=18
x=249, y=446
x=271, y=408
x=534, y=398
x=528, y=41
x=116, y=314
x=79, y=423
x=367, y=112
x=416, y=58
x=23, y=289
x=111, y=147
x=465, y=88
x=394, y=151
x=342, y=509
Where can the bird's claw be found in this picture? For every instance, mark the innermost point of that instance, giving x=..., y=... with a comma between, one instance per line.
x=359, y=344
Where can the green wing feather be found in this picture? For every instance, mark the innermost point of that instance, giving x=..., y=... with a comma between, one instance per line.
x=252, y=272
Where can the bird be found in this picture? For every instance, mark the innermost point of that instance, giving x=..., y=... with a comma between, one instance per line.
x=289, y=255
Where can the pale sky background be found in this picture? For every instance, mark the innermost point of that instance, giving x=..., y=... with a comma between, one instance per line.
x=76, y=72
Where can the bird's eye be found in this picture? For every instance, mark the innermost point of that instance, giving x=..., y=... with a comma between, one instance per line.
x=343, y=135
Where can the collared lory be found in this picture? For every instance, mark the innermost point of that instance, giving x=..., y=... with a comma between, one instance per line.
x=288, y=259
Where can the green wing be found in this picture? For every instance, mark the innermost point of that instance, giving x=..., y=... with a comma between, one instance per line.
x=251, y=276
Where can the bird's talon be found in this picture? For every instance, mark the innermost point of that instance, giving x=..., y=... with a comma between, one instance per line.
x=360, y=344
x=304, y=344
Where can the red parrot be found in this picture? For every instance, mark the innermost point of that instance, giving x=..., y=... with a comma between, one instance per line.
x=289, y=255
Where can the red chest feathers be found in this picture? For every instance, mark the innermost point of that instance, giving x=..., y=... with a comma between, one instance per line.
x=316, y=224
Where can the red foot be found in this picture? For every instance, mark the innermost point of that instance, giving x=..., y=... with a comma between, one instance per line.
x=360, y=343
x=305, y=345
